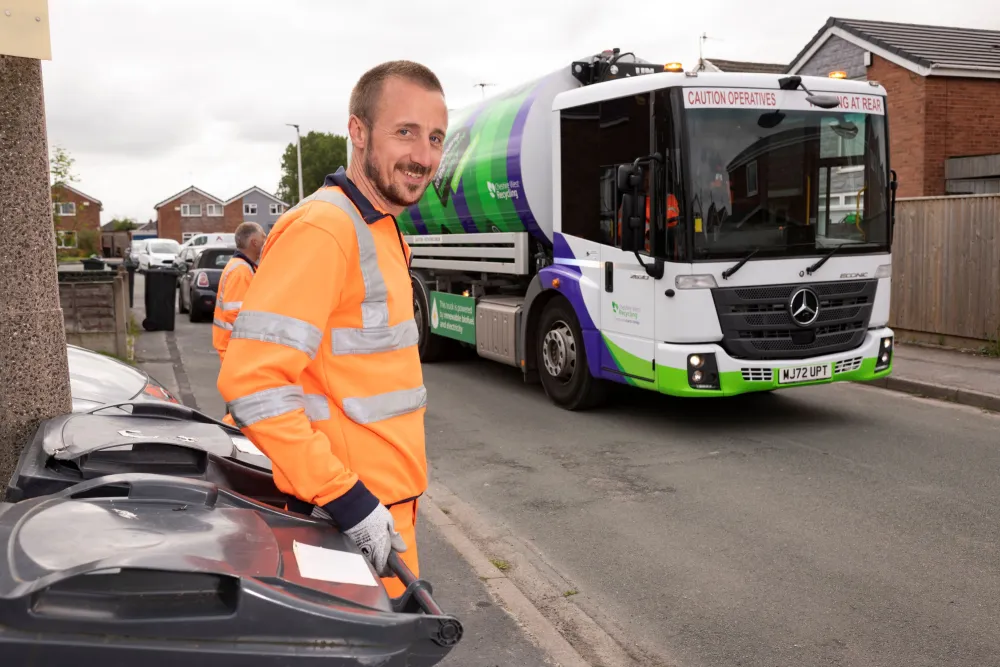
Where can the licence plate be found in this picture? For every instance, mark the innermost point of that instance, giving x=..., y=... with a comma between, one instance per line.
x=805, y=373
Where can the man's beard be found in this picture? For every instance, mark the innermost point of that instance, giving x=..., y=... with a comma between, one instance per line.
x=391, y=192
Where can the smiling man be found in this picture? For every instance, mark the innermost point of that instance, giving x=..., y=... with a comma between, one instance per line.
x=322, y=371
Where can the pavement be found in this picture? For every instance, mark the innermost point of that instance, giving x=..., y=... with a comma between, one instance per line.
x=831, y=525
x=960, y=377
x=186, y=363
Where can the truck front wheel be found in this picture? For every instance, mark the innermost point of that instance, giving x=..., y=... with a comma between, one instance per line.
x=430, y=347
x=562, y=359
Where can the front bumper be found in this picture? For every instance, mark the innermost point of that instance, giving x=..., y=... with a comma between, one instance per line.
x=740, y=376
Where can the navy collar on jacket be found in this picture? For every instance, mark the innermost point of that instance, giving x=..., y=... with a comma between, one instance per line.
x=370, y=214
x=253, y=265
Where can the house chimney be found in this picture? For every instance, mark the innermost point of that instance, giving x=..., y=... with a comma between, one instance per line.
x=34, y=375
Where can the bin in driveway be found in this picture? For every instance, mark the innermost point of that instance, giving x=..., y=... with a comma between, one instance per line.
x=160, y=298
x=145, y=437
x=92, y=263
x=158, y=570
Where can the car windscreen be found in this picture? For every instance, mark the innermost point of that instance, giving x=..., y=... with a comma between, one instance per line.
x=164, y=247
x=215, y=259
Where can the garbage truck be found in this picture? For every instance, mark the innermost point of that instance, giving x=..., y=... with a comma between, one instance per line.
x=623, y=221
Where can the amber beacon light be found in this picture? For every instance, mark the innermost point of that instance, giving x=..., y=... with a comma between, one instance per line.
x=839, y=74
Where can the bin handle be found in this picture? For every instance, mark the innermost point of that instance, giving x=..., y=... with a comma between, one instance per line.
x=150, y=485
x=418, y=592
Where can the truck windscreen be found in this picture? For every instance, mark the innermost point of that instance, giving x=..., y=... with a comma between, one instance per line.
x=786, y=182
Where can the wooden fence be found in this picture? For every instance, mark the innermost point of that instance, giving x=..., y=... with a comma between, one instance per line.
x=946, y=267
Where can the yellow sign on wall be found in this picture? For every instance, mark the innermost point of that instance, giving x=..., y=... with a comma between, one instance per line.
x=24, y=29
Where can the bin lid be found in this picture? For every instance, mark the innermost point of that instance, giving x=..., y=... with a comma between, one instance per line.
x=162, y=555
x=70, y=437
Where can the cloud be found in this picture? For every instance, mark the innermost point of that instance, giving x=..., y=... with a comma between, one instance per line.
x=151, y=96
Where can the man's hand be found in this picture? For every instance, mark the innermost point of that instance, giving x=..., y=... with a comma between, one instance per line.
x=376, y=535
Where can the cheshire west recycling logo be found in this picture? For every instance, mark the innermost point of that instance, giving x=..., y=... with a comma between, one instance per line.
x=434, y=314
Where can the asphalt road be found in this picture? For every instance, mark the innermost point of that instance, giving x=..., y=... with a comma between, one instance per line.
x=838, y=525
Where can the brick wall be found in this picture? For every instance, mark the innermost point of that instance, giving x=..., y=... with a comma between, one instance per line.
x=171, y=225
x=906, y=103
x=234, y=214
x=87, y=217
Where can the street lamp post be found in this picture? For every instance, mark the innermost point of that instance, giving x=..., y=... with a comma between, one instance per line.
x=298, y=139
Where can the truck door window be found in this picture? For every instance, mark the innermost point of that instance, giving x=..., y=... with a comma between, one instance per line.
x=595, y=140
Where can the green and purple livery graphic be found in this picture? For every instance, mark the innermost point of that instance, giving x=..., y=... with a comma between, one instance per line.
x=497, y=156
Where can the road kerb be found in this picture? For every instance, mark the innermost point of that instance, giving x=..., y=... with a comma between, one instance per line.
x=531, y=619
x=540, y=586
x=966, y=397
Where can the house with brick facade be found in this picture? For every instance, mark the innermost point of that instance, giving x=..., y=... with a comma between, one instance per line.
x=255, y=205
x=719, y=65
x=943, y=88
x=73, y=212
x=189, y=212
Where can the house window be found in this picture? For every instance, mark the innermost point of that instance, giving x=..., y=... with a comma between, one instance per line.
x=752, y=179
x=277, y=209
x=249, y=209
x=214, y=210
x=64, y=208
x=65, y=239
x=191, y=210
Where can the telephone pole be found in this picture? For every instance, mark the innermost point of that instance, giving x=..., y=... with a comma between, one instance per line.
x=298, y=151
x=34, y=372
x=482, y=86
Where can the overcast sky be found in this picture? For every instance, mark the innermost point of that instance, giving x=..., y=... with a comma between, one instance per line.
x=151, y=96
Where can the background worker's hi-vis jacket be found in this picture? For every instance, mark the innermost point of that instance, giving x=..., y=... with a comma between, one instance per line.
x=322, y=371
x=233, y=285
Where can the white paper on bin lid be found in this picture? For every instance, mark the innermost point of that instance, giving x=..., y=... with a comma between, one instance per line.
x=339, y=567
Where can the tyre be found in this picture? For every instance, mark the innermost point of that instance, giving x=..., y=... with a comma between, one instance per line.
x=431, y=347
x=562, y=360
x=195, y=314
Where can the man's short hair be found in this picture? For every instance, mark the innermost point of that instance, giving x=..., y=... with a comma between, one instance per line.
x=245, y=232
x=368, y=89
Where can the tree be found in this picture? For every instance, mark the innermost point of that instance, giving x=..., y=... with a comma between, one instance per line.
x=123, y=224
x=61, y=172
x=322, y=153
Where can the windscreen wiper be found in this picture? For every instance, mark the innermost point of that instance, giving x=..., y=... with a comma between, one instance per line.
x=739, y=265
x=815, y=267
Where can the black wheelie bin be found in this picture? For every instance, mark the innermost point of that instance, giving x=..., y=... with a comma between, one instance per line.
x=160, y=293
x=156, y=570
x=141, y=436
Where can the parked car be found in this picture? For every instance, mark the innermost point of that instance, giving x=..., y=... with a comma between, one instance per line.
x=199, y=283
x=199, y=240
x=96, y=379
x=158, y=252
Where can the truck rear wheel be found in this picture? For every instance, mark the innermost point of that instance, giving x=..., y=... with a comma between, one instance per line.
x=562, y=360
x=430, y=347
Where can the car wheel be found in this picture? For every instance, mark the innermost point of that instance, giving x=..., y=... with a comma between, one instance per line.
x=180, y=301
x=562, y=360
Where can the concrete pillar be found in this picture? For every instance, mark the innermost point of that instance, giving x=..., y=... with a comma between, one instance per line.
x=34, y=377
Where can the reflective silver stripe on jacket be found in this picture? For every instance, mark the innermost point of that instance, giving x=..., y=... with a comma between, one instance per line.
x=381, y=339
x=375, y=334
x=280, y=329
x=317, y=407
x=219, y=303
x=384, y=406
x=265, y=404
x=222, y=325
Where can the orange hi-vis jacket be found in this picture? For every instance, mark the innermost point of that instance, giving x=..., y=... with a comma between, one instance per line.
x=233, y=285
x=322, y=371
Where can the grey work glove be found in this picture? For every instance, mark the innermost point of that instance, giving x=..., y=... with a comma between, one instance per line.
x=376, y=535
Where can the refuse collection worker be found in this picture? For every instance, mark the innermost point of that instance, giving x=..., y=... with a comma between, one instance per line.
x=322, y=371
x=234, y=282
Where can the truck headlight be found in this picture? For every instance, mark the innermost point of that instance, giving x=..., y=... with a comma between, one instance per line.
x=884, y=358
x=703, y=372
x=706, y=281
x=884, y=271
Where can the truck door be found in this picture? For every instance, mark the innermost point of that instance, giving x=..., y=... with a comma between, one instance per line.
x=628, y=293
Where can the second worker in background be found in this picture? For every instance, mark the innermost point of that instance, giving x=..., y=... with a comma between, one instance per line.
x=322, y=371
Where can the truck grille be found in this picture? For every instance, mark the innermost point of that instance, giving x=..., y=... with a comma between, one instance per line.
x=757, y=322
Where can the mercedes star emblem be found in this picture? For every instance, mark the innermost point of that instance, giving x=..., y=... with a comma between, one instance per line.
x=804, y=307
